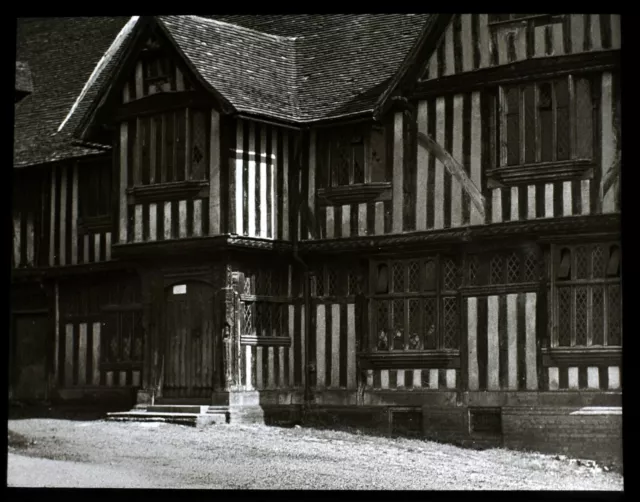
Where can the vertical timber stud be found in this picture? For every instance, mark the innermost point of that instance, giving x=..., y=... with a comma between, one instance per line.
x=422, y=170
x=398, y=171
x=122, y=222
x=215, y=162
x=311, y=195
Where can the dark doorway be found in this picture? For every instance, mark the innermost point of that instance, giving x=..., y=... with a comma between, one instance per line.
x=191, y=349
x=30, y=380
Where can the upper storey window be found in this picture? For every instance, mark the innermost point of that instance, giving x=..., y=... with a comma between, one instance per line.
x=351, y=155
x=169, y=146
x=546, y=123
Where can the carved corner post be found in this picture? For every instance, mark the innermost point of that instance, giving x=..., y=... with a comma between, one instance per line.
x=231, y=330
x=362, y=329
x=152, y=304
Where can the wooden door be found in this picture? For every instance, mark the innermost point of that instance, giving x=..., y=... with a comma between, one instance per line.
x=190, y=353
x=30, y=357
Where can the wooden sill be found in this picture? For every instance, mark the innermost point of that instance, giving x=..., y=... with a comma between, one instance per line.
x=167, y=191
x=582, y=355
x=274, y=341
x=95, y=224
x=354, y=194
x=543, y=172
x=410, y=359
x=539, y=18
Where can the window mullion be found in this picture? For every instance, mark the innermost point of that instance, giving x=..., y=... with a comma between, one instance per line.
x=187, y=160
x=439, y=306
x=521, y=123
x=502, y=117
x=572, y=119
x=538, y=122
x=554, y=119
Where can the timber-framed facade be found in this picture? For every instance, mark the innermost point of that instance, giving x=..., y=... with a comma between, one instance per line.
x=422, y=240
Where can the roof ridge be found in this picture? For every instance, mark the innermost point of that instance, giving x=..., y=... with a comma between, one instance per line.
x=240, y=27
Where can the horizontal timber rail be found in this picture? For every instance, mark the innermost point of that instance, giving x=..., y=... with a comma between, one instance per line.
x=537, y=230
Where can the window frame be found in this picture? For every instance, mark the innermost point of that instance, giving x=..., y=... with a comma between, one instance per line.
x=440, y=294
x=581, y=112
x=589, y=284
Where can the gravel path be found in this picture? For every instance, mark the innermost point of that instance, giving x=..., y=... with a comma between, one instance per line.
x=111, y=454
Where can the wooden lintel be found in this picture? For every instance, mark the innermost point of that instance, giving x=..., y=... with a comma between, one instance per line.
x=455, y=169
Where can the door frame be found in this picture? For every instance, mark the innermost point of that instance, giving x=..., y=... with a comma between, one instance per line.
x=13, y=348
x=168, y=283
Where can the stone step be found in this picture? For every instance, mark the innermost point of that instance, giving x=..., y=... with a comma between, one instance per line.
x=192, y=419
x=176, y=408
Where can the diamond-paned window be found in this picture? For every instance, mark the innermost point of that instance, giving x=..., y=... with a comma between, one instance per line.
x=247, y=318
x=398, y=277
x=581, y=316
x=198, y=146
x=473, y=270
x=599, y=260
x=530, y=267
x=513, y=268
x=597, y=315
x=382, y=321
x=564, y=317
x=414, y=324
x=582, y=262
x=430, y=323
x=332, y=281
x=450, y=274
x=614, y=308
x=588, y=301
x=497, y=269
x=414, y=276
x=352, y=283
x=450, y=323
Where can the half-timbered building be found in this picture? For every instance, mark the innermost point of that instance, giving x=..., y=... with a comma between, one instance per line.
x=406, y=222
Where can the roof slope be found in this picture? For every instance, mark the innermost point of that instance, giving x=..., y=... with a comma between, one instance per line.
x=61, y=53
x=23, y=77
x=255, y=71
x=300, y=68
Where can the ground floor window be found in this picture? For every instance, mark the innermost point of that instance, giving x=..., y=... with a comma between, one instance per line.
x=587, y=296
x=415, y=304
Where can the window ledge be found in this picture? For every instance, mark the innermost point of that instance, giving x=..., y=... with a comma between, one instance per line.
x=94, y=224
x=354, y=194
x=274, y=341
x=544, y=172
x=167, y=191
x=537, y=18
x=408, y=359
x=582, y=355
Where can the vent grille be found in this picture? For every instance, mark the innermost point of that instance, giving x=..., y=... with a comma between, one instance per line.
x=485, y=420
x=407, y=422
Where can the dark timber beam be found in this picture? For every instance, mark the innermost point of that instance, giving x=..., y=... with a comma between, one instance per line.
x=455, y=169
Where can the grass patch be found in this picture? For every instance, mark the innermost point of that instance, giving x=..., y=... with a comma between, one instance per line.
x=17, y=441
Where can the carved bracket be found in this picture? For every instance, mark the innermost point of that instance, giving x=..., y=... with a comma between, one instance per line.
x=354, y=194
x=544, y=172
x=167, y=191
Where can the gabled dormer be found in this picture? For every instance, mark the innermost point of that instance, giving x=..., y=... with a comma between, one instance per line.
x=164, y=123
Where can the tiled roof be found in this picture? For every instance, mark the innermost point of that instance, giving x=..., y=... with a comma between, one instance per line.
x=296, y=67
x=299, y=67
x=61, y=53
x=255, y=71
x=23, y=77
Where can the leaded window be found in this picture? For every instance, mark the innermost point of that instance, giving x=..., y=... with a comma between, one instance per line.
x=264, y=311
x=515, y=266
x=588, y=302
x=421, y=309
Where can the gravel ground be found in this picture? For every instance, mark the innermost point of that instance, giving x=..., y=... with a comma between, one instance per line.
x=63, y=453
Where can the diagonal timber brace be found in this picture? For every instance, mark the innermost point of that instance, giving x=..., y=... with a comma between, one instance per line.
x=455, y=169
